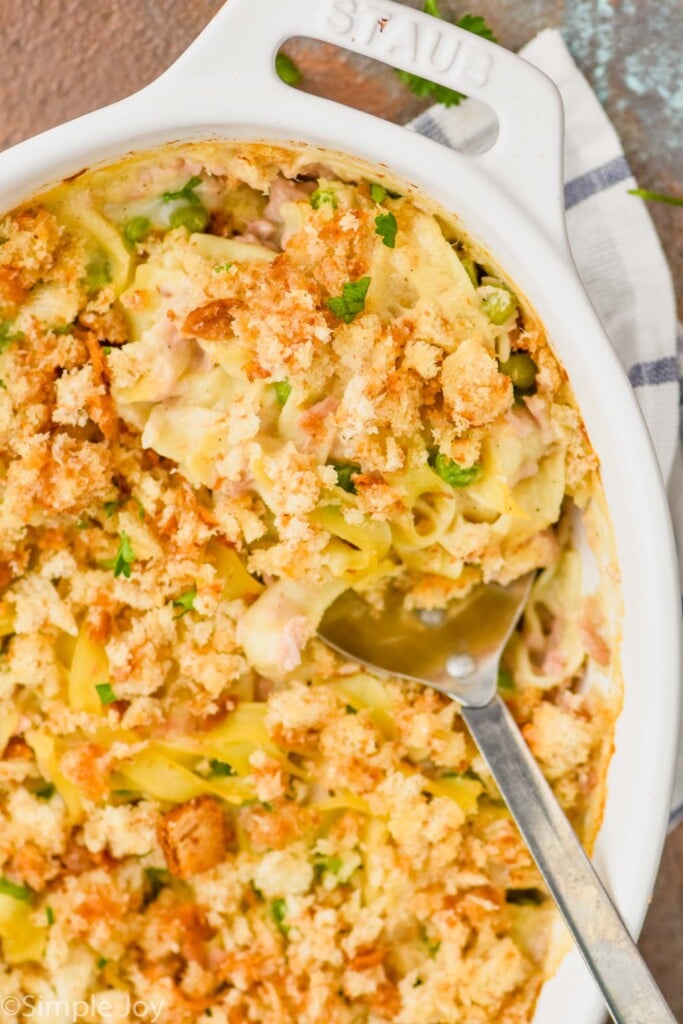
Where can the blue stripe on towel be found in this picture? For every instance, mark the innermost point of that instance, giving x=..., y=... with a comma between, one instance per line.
x=588, y=184
x=657, y=371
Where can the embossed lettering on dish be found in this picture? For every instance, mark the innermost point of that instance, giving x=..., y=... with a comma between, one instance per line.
x=404, y=40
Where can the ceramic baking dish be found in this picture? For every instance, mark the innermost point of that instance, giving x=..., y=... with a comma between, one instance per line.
x=510, y=200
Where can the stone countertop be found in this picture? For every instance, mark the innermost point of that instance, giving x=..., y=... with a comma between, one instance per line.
x=63, y=58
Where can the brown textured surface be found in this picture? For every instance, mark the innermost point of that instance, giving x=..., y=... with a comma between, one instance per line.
x=64, y=57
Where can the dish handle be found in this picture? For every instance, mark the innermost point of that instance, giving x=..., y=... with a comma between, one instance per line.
x=525, y=161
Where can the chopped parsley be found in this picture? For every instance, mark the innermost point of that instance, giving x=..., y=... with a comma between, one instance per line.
x=440, y=93
x=345, y=473
x=324, y=197
x=63, y=329
x=283, y=390
x=656, y=197
x=221, y=767
x=185, y=601
x=8, y=336
x=287, y=69
x=327, y=865
x=278, y=912
x=45, y=791
x=222, y=267
x=105, y=693
x=140, y=508
x=506, y=682
x=123, y=559
x=101, y=963
x=50, y=915
x=378, y=193
x=3, y=386
x=110, y=507
x=17, y=892
x=452, y=472
x=155, y=880
x=135, y=229
x=433, y=945
x=386, y=227
x=351, y=302
x=187, y=192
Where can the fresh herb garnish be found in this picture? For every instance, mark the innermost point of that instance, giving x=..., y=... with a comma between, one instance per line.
x=433, y=945
x=287, y=69
x=155, y=879
x=506, y=682
x=8, y=336
x=440, y=93
x=222, y=267
x=45, y=791
x=345, y=473
x=185, y=601
x=50, y=915
x=187, y=192
x=324, y=197
x=105, y=693
x=386, y=227
x=110, y=507
x=351, y=302
x=283, y=390
x=221, y=767
x=452, y=472
x=101, y=963
x=18, y=892
x=123, y=559
x=327, y=865
x=3, y=386
x=278, y=912
x=656, y=197
x=378, y=193
x=63, y=329
x=135, y=229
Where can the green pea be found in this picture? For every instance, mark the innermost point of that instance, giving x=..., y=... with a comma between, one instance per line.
x=452, y=472
x=499, y=306
x=522, y=370
x=135, y=229
x=193, y=218
x=97, y=273
x=283, y=390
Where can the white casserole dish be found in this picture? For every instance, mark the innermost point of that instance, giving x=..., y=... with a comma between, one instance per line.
x=510, y=200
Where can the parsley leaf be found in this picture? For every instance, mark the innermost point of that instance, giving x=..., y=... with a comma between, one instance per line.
x=324, y=197
x=221, y=267
x=50, y=915
x=287, y=69
x=3, y=386
x=18, y=892
x=452, y=472
x=440, y=93
x=345, y=474
x=123, y=559
x=278, y=912
x=110, y=507
x=185, y=601
x=44, y=791
x=386, y=227
x=221, y=767
x=657, y=197
x=187, y=192
x=378, y=193
x=102, y=963
x=506, y=682
x=8, y=336
x=105, y=693
x=352, y=300
x=283, y=390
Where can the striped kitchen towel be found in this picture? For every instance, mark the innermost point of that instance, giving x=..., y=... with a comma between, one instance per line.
x=618, y=255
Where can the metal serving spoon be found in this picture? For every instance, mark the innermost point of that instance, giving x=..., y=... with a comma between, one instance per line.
x=457, y=652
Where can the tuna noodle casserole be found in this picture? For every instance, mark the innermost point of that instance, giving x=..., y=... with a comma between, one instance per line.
x=236, y=380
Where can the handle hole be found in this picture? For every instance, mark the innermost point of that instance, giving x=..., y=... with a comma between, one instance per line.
x=363, y=83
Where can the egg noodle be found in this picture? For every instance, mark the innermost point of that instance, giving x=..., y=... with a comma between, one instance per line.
x=236, y=380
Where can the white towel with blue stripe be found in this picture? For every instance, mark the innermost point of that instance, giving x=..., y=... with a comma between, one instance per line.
x=618, y=255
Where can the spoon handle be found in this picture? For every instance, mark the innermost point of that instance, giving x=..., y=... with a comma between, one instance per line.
x=629, y=989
